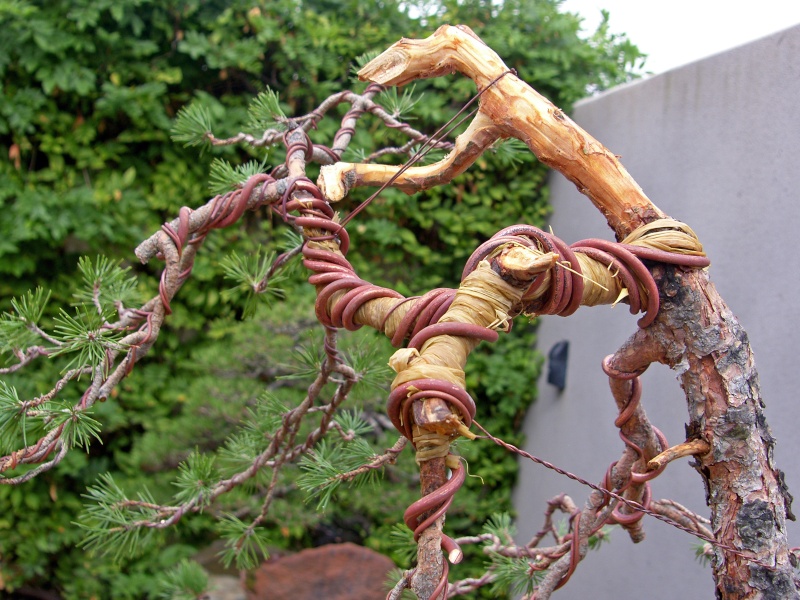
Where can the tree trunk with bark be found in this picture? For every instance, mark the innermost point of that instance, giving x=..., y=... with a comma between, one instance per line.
x=694, y=333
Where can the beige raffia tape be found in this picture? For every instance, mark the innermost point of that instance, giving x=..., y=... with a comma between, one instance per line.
x=595, y=273
x=423, y=370
x=400, y=360
x=430, y=444
x=668, y=235
x=482, y=296
x=483, y=299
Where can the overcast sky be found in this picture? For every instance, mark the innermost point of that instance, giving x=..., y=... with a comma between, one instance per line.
x=676, y=32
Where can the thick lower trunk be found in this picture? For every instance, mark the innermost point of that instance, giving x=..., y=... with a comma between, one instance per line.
x=705, y=344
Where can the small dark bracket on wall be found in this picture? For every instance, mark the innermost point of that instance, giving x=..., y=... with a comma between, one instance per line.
x=557, y=365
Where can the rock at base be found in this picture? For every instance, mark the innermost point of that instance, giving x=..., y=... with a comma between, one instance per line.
x=333, y=572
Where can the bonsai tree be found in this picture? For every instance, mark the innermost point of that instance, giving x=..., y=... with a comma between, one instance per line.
x=521, y=270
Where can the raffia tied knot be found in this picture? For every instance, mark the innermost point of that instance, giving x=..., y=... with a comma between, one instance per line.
x=667, y=235
x=430, y=444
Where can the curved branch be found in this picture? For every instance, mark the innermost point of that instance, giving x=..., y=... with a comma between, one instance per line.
x=337, y=180
x=509, y=108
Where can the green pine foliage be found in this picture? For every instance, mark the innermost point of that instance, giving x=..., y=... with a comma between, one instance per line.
x=223, y=176
x=108, y=520
x=105, y=284
x=82, y=335
x=12, y=418
x=250, y=273
x=80, y=429
x=108, y=106
x=324, y=467
x=187, y=581
x=192, y=125
x=514, y=577
x=196, y=477
x=17, y=326
x=400, y=103
x=265, y=112
x=241, y=448
x=245, y=545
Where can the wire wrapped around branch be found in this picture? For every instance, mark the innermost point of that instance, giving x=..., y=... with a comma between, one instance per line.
x=627, y=390
x=445, y=325
x=595, y=271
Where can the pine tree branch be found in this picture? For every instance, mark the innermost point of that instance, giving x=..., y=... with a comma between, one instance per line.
x=25, y=357
x=44, y=335
x=397, y=591
x=462, y=587
x=388, y=457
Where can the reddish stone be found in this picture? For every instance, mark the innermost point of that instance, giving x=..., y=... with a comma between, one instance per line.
x=332, y=572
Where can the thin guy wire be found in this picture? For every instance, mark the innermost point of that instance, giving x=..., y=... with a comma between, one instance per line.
x=630, y=503
x=426, y=147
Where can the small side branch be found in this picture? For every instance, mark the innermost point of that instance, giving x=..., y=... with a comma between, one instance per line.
x=337, y=180
x=689, y=448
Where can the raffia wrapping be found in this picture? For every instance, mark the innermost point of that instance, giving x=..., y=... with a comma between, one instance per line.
x=483, y=299
x=430, y=444
x=602, y=286
x=601, y=283
x=668, y=235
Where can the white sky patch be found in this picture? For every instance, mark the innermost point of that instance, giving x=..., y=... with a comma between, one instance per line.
x=676, y=32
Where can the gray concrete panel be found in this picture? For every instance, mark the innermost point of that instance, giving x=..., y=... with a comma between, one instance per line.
x=713, y=144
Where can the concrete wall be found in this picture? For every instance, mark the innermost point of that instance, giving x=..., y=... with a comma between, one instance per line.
x=714, y=144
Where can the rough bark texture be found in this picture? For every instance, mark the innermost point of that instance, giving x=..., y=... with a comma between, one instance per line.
x=705, y=344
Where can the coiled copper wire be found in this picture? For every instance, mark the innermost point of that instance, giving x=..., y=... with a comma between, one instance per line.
x=629, y=406
x=332, y=273
x=567, y=285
